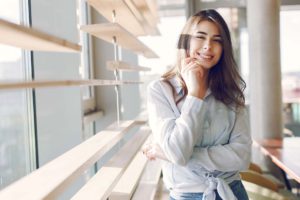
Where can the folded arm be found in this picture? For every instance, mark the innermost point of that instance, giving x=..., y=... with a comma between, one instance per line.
x=233, y=156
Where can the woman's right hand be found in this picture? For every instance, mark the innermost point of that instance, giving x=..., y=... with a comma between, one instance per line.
x=153, y=151
x=192, y=73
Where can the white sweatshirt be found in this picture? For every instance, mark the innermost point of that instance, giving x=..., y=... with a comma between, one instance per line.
x=207, y=142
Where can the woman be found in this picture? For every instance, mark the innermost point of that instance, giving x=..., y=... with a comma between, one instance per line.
x=198, y=117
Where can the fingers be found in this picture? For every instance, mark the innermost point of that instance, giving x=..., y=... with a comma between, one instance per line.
x=146, y=148
x=192, y=67
x=189, y=60
x=190, y=63
x=151, y=154
x=149, y=150
x=188, y=68
x=186, y=63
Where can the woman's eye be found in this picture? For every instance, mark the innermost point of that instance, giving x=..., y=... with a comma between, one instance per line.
x=218, y=40
x=200, y=37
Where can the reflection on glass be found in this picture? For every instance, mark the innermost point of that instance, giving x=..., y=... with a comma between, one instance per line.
x=88, y=131
x=14, y=148
x=290, y=70
x=85, y=65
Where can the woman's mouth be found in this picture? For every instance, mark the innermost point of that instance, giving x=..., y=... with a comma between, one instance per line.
x=204, y=57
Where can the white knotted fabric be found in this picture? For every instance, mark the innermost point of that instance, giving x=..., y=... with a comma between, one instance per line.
x=222, y=188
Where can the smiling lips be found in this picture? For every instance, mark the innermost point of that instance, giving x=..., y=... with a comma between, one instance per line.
x=204, y=57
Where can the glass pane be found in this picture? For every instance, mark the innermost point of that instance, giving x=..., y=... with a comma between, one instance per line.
x=85, y=65
x=88, y=131
x=9, y=10
x=14, y=144
x=290, y=69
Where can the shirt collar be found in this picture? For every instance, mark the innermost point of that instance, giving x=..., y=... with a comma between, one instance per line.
x=176, y=84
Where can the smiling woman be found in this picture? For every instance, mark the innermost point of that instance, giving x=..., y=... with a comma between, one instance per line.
x=206, y=45
x=198, y=117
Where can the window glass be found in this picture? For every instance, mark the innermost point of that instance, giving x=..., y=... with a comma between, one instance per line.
x=85, y=65
x=290, y=68
x=86, y=62
x=14, y=134
x=86, y=72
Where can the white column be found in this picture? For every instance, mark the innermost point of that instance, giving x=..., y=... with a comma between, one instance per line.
x=265, y=73
x=191, y=8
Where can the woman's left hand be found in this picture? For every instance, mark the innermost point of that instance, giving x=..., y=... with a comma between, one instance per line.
x=153, y=151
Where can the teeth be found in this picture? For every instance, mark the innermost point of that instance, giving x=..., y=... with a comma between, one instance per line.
x=206, y=57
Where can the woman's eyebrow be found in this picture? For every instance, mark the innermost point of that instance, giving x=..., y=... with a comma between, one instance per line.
x=201, y=32
x=204, y=33
x=219, y=36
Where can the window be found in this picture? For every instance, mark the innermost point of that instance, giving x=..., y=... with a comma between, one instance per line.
x=86, y=72
x=290, y=68
x=86, y=69
x=17, y=150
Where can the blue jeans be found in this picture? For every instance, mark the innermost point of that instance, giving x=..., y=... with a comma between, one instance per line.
x=236, y=186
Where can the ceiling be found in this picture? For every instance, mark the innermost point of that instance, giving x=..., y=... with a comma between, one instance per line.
x=180, y=7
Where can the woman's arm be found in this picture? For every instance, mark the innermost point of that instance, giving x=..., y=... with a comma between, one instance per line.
x=234, y=156
x=175, y=136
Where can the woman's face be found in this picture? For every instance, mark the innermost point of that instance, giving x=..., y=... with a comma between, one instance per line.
x=206, y=44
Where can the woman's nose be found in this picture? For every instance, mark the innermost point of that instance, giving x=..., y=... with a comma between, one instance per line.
x=207, y=45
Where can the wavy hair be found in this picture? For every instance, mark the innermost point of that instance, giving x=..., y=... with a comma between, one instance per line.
x=224, y=80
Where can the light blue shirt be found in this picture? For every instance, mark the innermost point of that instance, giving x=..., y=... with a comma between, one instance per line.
x=206, y=142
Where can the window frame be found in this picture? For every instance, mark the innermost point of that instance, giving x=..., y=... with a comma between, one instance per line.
x=89, y=104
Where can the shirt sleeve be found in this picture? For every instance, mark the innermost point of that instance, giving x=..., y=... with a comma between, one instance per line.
x=233, y=156
x=176, y=136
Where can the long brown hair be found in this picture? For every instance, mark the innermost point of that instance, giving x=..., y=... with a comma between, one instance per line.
x=224, y=80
